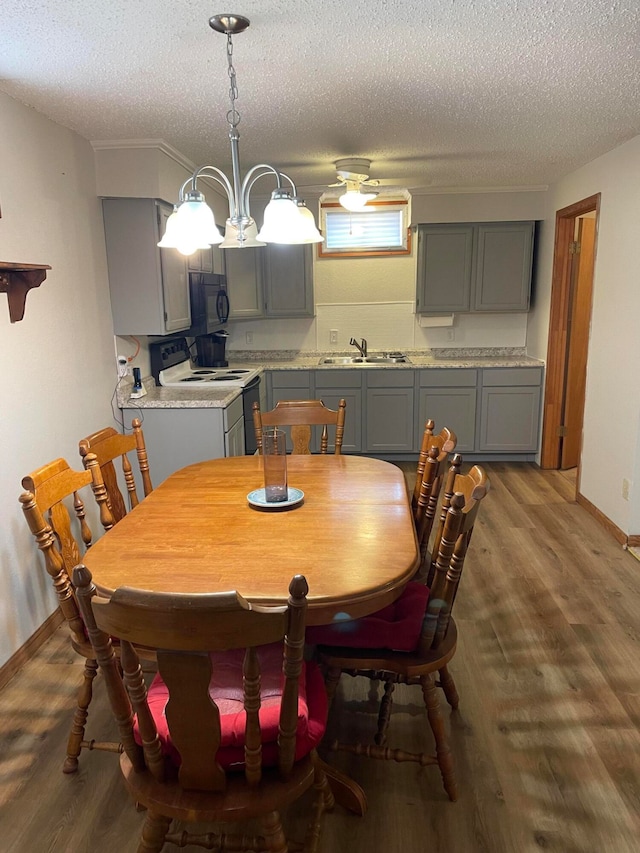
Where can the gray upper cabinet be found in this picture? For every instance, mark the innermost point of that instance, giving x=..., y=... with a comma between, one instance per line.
x=149, y=286
x=270, y=281
x=288, y=281
x=483, y=267
x=504, y=254
x=445, y=254
x=244, y=283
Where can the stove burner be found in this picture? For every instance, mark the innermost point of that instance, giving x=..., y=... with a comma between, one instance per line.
x=223, y=378
x=238, y=371
x=191, y=379
x=203, y=372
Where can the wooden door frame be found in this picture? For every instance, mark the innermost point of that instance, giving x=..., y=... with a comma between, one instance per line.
x=558, y=326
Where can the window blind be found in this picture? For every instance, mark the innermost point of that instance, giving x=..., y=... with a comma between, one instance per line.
x=375, y=229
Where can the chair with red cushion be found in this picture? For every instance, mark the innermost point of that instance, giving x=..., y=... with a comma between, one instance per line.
x=413, y=639
x=228, y=729
x=445, y=441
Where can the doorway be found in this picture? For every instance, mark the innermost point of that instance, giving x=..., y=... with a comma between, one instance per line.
x=569, y=322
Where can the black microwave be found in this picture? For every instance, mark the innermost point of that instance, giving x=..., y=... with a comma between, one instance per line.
x=209, y=302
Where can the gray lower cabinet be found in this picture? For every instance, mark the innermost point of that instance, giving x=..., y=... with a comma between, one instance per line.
x=474, y=267
x=491, y=410
x=333, y=385
x=510, y=409
x=149, y=287
x=449, y=396
x=289, y=385
x=388, y=425
x=178, y=437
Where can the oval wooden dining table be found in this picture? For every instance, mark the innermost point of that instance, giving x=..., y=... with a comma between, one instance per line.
x=352, y=537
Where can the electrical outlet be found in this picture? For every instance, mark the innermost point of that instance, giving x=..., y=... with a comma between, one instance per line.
x=249, y=337
x=333, y=336
x=123, y=366
x=451, y=334
x=625, y=489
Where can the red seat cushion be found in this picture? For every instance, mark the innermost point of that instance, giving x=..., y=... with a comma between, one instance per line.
x=225, y=689
x=396, y=627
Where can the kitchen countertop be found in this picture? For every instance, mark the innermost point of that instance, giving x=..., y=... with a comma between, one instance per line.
x=176, y=398
x=220, y=398
x=291, y=360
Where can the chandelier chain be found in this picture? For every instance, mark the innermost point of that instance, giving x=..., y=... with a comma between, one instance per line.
x=233, y=116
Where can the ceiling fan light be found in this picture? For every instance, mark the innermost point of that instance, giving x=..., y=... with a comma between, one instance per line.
x=250, y=233
x=355, y=200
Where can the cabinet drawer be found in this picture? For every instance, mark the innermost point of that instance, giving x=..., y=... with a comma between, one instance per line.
x=448, y=377
x=233, y=412
x=511, y=376
x=290, y=378
x=338, y=379
x=390, y=378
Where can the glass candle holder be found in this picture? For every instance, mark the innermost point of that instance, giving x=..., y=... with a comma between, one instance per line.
x=274, y=454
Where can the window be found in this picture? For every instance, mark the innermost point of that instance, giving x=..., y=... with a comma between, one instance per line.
x=380, y=229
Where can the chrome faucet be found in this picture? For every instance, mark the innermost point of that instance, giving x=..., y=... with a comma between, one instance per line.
x=361, y=347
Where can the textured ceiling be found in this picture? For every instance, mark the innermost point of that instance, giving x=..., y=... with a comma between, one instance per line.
x=445, y=93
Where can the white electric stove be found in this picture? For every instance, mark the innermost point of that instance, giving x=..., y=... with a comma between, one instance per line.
x=180, y=371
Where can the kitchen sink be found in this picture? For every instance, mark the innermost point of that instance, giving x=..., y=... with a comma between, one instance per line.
x=370, y=359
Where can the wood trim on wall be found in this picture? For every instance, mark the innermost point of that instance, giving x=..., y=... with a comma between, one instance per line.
x=28, y=650
x=606, y=522
x=558, y=328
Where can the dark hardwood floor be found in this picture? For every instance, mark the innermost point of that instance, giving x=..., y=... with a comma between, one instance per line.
x=546, y=740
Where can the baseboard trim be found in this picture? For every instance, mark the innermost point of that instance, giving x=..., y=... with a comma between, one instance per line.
x=599, y=516
x=28, y=650
x=634, y=540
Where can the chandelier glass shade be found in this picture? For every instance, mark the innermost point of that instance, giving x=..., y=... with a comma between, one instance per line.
x=192, y=224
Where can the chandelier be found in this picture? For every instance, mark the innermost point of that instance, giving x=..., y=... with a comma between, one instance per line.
x=192, y=224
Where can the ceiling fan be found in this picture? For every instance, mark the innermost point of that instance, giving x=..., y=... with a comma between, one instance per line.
x=353, y=175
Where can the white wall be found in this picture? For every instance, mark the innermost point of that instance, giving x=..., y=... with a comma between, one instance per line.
x=57, y=374
x=611, y=441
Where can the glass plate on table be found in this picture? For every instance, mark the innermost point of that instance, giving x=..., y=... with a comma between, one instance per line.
x=258, y=499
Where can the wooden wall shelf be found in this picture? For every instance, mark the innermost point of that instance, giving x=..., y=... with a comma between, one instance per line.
x=16, y=280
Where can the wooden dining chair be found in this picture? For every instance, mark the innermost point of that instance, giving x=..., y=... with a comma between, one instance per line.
x=227, y=731
x=301, y=416
x=63, y=537
x=411, y=640
x=445, y=441
x=108, y=445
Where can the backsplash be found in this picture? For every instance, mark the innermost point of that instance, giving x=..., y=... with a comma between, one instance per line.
x=387, y=326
